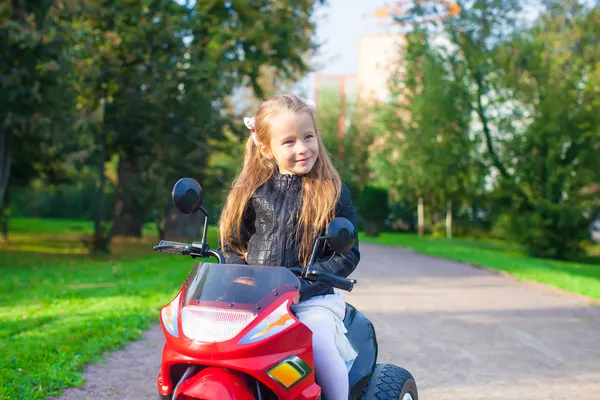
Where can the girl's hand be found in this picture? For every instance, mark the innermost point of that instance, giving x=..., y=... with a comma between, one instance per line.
x=296, y=299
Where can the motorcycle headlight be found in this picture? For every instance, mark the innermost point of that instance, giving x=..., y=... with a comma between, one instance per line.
x=169, y=316
x=210, y=325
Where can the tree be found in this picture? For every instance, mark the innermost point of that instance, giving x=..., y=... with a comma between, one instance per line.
x=552, y=72
x=532, y=90
x=358, y=136
x=34, y=80
x=227, y=45
x=33, y=62
x=426, y=151
x=154, y=79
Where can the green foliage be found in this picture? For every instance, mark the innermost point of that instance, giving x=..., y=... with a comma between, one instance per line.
x=551, y=231
x=373, y=209
x=426, y=148
x=75, y=196
x=351, y=157
x=351, y=153
x=553, y=68
x=500, y=117
x=502, y=120
x=146, y=83
x=33, y=83
x=402, y=217
x=461, y=227
x=76, y=200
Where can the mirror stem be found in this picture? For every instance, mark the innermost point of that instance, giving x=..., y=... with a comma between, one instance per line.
x=313, y=255
x=205, y=231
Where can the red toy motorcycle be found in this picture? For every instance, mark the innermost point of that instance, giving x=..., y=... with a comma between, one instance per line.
x=230, y=333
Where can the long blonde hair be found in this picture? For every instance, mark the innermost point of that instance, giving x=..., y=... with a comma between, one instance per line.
x=321, y=187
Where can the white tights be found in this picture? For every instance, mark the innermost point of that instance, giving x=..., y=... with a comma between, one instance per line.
x=330, y=369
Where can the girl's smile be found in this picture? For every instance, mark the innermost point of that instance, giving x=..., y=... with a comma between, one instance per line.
x=304, y=160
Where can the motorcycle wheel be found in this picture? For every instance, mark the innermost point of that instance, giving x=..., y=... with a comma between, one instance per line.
x=390, y=382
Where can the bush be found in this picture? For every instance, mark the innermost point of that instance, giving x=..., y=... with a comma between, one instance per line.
x=550, y=231
x=373, y=209
x=76, y=201
x=461, y=227
x=402, y=217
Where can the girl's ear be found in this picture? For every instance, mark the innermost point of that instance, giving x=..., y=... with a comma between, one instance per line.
x=265, y=151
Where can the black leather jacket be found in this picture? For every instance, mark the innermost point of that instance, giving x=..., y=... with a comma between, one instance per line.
x=268, y=231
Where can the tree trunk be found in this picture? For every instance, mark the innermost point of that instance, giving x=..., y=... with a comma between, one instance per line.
x=129, y=210
x=421, y=217
x=449, y=220
x=182, y=226
x=5, y=161
x=475, y=212
x=98, y=233
x=161, y=223
x=128, y=221
x=5, y=205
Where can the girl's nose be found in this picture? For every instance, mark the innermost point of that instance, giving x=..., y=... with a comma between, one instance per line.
x=302, y=149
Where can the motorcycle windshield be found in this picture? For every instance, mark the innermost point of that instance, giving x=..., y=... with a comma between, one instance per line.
x=247, y=287
x=220, y=300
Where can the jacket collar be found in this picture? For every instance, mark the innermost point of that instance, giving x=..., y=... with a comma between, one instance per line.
x=285, y=180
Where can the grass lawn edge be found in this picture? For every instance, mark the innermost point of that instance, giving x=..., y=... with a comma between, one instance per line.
x=496, y=271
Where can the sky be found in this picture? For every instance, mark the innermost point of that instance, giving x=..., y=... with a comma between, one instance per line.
x=340, y=24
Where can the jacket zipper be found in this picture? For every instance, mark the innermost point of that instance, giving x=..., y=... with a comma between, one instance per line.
x=282, y=221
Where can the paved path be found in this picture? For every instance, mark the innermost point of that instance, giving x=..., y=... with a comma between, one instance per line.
x=463, y=332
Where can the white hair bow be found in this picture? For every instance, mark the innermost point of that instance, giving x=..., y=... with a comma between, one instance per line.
x=251, y=124
x=312, y=105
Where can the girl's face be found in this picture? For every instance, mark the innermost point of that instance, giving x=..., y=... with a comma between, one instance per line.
x=294, y=145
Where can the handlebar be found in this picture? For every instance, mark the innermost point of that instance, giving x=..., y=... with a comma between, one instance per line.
x=165, y=246
x=336, y=281
x=200, y=249
x=195, y=250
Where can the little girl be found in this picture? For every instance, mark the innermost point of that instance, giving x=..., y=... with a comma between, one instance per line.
x=280, y=202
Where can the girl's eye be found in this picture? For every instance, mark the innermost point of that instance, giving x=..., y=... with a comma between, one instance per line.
x=310, y=136
x=288, y=142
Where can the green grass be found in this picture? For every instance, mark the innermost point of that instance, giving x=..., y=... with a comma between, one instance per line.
x=60, y=226
x=61, y=308
x=578, y=277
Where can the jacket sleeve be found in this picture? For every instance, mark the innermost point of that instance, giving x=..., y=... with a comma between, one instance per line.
x=231, y=257
x=336, y=263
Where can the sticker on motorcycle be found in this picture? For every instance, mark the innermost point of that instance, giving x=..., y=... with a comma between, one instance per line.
x=289, y=372
x=274, y=323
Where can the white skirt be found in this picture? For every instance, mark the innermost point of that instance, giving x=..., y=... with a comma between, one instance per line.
x=329, y=309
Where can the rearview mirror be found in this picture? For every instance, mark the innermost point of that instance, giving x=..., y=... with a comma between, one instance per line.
x=341, y=235
x=187, y=195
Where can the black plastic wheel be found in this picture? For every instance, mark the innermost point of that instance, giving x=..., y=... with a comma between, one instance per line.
x=390, y=382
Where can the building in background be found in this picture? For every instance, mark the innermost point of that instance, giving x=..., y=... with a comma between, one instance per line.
x=378, y=57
